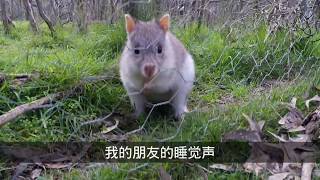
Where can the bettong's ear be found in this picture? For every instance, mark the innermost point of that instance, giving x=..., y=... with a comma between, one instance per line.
x=130, y=23
x=164, y=22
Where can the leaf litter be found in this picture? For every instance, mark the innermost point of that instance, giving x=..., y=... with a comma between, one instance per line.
x=293, y=157
x=38, y=160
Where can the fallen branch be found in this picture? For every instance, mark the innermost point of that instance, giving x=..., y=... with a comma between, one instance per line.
x=18, y=79
x=44, y=101
x=37, y=104
x=18, y=76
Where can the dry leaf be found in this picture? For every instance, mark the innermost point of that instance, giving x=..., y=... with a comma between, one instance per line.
x=254, y=134
x=315, y=98
x=293, y=168
x=222, y=167
x=279, y=176
x=292, y=119
x=20, y=169
x=300, y=138
x=278, y=137
x=312, y=124
x=109, y=129
x=254, y=126
x=257, y=160
x=36, y=173
x=297, y=129
x=255, y=168
x=243, y=135
x=283, y=159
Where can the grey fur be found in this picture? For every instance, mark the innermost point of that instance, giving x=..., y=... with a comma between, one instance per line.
x=173, y=75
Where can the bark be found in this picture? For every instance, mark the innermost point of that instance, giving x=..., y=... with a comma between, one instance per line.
x=142, y=11
x=49, y=100
x=22, y=109
x=45, y=17
x=30, y=15
x=82, y=15
x=56, y=18
x=317, y=12
x=157, y=8
x=7, y=22
x=201, y=12
x=112, y=5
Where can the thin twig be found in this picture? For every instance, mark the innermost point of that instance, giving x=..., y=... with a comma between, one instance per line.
x=39, y=103
x=47, y=100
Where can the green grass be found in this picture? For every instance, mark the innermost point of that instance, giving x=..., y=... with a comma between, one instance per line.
x=229, y=64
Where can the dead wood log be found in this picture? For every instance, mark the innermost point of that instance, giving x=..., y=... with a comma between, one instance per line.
x=22, y=109
x=18, y=79
x=40, y=103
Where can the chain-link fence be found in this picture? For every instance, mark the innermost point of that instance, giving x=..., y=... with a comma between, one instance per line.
x=241, y=42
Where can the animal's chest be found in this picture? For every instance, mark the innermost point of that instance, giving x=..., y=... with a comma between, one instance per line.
x=155, y=95
x=160, y=89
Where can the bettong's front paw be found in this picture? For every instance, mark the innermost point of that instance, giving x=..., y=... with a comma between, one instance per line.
x=181, y=114
x=136, y=114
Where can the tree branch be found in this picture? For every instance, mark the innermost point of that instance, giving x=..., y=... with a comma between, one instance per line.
x=40, y=103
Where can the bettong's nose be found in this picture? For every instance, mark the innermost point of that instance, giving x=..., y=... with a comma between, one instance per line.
x=149, y=70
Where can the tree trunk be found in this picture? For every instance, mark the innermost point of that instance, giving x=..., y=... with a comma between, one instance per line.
x=82, y=16
x=55, y=12
x=45, y=17
x=317, y=13
x=30, y=15
x=7, y=22
x=112, y=5
x=143, y=10
x=201, y=12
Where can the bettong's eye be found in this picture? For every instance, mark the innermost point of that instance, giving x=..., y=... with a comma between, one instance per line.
x=159, y=49
x=137, y=51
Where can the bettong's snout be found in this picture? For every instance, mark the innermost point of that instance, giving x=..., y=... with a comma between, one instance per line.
x=149, y=70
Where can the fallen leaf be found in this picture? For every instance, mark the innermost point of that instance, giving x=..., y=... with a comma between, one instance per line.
x=312, y=124
x=279, y=176
x=293, y=168
x=300, y=138
x=36, y=173
x=315, y=98
x=297, y=129
x=109, y=129
x=243, y=135
x=222, y=167
x=255, y=168
x=278, y=137
x=254, y=126
x=20, y=169
x=257, y=161
x=292, y=119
